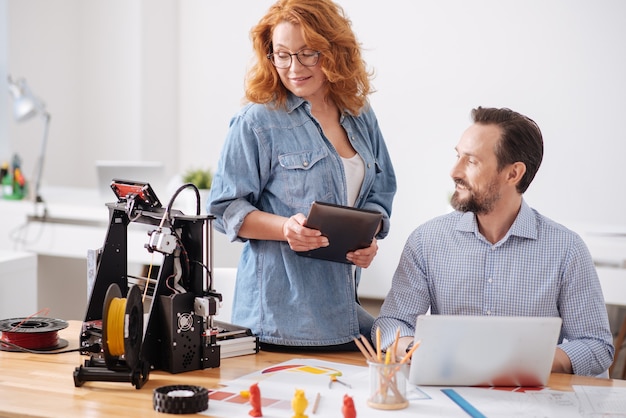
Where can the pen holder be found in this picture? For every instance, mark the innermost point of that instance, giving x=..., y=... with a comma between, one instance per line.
x=387, y=386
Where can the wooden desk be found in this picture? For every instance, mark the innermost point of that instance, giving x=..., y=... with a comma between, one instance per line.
x=38, y=385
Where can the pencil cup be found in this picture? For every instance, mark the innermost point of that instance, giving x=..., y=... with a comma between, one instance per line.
x=387, y=386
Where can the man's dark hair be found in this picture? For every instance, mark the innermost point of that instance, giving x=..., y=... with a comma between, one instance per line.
x=521, y=140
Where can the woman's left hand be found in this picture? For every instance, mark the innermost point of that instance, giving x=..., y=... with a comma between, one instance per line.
x=363, y=257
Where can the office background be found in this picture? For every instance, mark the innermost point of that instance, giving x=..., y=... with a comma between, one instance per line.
x=160, y=79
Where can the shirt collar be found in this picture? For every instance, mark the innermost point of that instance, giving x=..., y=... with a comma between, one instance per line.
x=524, y=226
x=293, y=102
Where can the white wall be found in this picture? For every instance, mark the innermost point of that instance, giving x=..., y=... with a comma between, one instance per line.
x=108, y=73
x=5, y=151
x=560, y=62
x=115, y=77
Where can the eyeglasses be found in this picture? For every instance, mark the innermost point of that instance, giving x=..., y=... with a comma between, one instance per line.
x=283, y=59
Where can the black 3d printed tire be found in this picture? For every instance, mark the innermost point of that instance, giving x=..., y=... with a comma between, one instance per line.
x=180, y=399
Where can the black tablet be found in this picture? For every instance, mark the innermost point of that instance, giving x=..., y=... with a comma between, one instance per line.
x=347, y=229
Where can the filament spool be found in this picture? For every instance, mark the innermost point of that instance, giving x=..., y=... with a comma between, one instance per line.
x=32, y=333
x=122, y=326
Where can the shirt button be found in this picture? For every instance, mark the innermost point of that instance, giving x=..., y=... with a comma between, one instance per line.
x=306, y=163
x=488, y=312
x=489, y=280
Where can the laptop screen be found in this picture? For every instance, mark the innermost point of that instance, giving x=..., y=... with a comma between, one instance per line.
x=152, y=172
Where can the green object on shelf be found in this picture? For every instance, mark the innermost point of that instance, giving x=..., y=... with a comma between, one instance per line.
x=11, y=190
x=7, y=185
x=14, y=196
x=200, y=178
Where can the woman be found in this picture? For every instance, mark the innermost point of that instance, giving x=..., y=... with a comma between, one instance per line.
x=307, y=134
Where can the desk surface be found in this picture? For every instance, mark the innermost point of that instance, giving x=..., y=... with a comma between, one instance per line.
x=38, y=385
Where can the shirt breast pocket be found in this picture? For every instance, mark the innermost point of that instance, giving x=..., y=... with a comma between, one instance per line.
x=305, y=176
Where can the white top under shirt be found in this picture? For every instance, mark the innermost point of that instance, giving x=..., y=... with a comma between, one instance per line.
x=355, y=172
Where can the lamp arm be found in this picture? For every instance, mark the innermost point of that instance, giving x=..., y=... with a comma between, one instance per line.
x=42, y=154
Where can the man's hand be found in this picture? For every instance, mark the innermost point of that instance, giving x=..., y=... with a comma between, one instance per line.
x=403, y=344
x=561, y=362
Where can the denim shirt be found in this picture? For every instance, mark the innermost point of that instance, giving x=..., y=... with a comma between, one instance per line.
x=279, y=161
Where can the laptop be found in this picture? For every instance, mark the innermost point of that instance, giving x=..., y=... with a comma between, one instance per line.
x=152, y=172
x=457, y=350
x=347, y=228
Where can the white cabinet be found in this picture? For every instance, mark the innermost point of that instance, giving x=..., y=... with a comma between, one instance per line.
x=18, y=284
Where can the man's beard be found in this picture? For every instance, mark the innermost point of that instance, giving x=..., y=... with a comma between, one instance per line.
x=478, y=203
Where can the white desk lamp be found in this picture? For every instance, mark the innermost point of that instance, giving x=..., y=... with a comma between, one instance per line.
x=25, y=106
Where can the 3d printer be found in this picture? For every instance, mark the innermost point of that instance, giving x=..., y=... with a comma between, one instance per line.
x=136, y=324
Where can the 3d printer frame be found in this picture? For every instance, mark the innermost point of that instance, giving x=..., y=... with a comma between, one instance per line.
x=178, y=334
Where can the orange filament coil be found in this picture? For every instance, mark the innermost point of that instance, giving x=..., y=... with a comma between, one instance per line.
x=122, y=326
x=115, y=326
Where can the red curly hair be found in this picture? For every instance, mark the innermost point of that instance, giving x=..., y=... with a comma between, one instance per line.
x=325, y=28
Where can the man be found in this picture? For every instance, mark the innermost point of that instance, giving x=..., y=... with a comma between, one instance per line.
x=494, y=255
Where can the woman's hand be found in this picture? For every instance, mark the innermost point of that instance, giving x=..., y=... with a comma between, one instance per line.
x=363, y=257
x=301, y=238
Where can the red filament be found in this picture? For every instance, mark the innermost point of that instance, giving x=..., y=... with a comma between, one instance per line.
x=32, y=341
